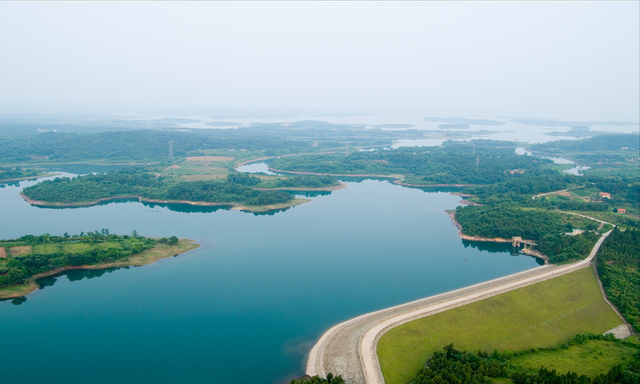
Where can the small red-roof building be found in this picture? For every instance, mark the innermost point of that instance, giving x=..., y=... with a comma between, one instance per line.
x=622, y=210
x=605, y=195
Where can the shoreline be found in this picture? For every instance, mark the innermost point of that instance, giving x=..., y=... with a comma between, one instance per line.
x=136, y=260
x=270, y=207
x=26, y=178
x=433, y=185
x=452, y=216
x=526, y=251
x=237, y=206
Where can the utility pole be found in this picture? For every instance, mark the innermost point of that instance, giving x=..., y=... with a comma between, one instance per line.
x=171, y=149
x=474, y=149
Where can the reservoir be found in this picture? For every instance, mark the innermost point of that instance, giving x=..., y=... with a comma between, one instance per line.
x=245, y=307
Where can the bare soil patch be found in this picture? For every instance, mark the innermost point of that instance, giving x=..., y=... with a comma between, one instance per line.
x=3, y=253
x=21, y=250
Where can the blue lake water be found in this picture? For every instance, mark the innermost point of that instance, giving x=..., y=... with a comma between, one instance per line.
x=247, y=305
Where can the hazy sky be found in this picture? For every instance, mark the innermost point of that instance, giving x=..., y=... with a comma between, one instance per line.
x=577, y=60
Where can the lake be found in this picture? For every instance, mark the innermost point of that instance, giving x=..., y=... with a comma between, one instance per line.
x=247, y=305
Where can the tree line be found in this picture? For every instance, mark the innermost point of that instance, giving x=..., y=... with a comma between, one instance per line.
x=453, y=163
x=134, y=145
x=453, y=366
x=619, y=269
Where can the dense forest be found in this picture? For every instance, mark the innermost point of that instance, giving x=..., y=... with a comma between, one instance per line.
x=453, y=163
x=519, y=190
x=619, y=269
x=148, y=140
x=132, y=182
x=562, y=248
x=526, y=185
x=453, y=366
x=144, y=145
x=506, y=222
x=31, y=255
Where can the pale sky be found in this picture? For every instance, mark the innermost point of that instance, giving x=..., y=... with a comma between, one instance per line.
x=571, y=60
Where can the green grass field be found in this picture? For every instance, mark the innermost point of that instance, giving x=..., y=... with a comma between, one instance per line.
x=540, y=315
x=591, y=358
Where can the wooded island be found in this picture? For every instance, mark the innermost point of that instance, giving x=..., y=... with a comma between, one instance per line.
x=24, y=260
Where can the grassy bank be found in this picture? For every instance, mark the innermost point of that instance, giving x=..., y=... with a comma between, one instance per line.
x=592, y=358
x=148, y=256
x=540, y=315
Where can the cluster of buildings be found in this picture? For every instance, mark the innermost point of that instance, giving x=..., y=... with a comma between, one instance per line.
x=606, y=195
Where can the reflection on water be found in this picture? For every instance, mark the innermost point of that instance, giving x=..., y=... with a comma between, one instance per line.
x=188, y=208
x=18, y=300
x=270, y=212
x=75, y=275
x=9, y=184
x=176, y=207
x=310, y=193
x=437, y=189
x=492, y=247
x=72, y=275
x=106, y=202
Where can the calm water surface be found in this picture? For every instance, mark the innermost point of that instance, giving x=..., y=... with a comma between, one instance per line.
x=248, y=304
